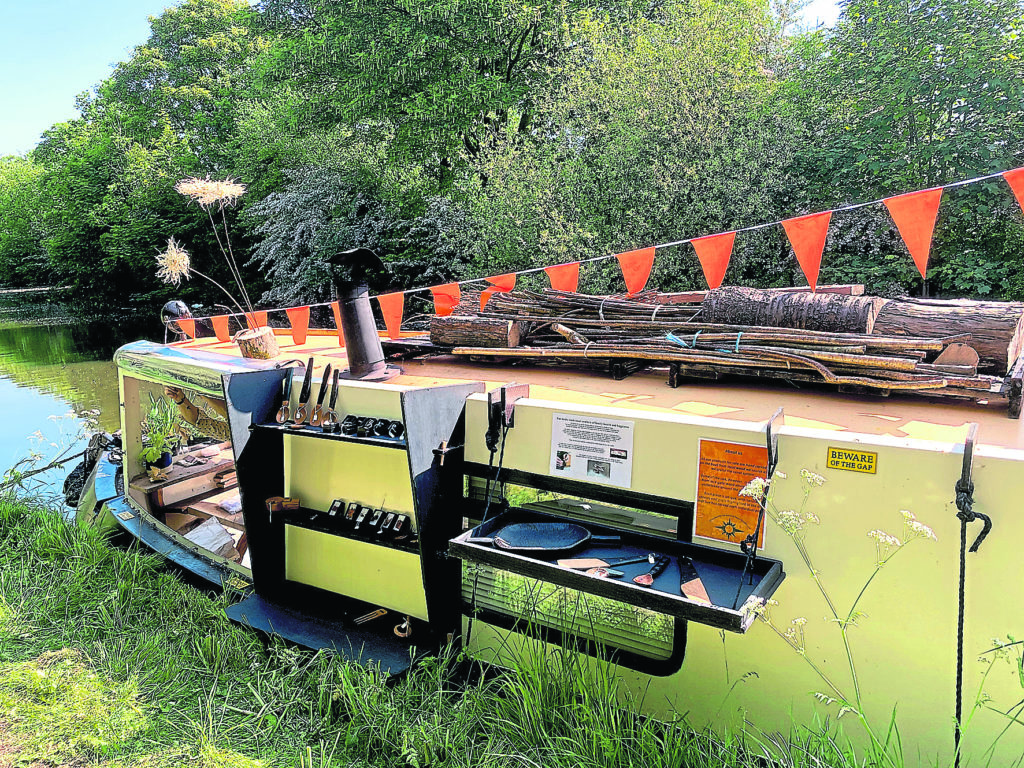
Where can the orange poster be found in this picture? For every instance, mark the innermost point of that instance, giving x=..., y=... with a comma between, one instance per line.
x=722, y=471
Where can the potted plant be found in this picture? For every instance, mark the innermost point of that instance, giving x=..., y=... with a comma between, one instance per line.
x=175, y=263
x=161, y=433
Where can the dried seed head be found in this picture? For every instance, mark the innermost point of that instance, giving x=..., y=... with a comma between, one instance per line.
x=208, y=191
x=174, y=263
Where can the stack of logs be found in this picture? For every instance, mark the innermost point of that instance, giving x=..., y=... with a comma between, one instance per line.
x=961, y=350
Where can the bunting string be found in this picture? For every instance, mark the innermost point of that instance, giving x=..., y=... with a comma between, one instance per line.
x=919, y=242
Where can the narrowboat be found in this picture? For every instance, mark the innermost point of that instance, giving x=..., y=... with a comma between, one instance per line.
x=364, y=497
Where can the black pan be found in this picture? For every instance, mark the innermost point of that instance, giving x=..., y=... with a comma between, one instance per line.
x=546, y=538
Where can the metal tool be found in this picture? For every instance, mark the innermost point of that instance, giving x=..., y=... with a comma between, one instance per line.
x=647, y=579
x=285, y=411
x=318, y=413
x=307, y=388
x=329, y=423
x=583, y=563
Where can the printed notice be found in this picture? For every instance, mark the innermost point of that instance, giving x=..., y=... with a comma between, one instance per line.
x=591, y=449
x=854, y=461
x=723, y=470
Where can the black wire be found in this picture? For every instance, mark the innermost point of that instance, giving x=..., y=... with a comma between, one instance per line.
x=497, y=474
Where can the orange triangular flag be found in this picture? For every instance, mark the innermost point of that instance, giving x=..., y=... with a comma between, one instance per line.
x=260, y=318
x=298, y=318
x=914, y=214
x=807, y=236
x=336, y=309
x=1016, y=181
x=188, y=326
x=446, y=298
x=564, y=277
x=499, y=284
x=636, y=268
x=714, y=252
x=220, y=327
x=392, y=305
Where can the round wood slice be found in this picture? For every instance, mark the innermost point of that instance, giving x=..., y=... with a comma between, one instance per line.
x=259, y=344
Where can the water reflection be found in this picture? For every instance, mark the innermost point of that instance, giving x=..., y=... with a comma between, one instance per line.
x=53, y=365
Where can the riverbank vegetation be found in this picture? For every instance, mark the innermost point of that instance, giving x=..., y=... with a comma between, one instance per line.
x=108, y=659
x=478, y=137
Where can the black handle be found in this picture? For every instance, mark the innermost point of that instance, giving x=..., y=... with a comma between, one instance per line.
x=604, y=541
x=659, y=565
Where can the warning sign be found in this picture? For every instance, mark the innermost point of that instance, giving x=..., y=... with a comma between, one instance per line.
x=723, y=470
x=854, y=461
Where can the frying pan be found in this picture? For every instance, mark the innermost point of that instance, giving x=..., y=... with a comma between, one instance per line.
x=544, y=538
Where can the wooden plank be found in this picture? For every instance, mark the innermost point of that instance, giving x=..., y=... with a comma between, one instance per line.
x=696, y=297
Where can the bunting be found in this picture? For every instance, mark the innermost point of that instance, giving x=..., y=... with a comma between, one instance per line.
x=564, y=277
x=188, y=326
x=914, y=215
x=446, y=298
x=220, y=327
x=336, y=309
x=1016, y=181
x=392, y=305
x=636, y=268
x=807, y=236
x=714, y=252
x=499, y=284
x=298, y=318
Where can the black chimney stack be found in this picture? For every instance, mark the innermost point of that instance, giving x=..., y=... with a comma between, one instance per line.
x=362, y=342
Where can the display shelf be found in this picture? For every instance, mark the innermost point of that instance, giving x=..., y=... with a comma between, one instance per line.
x=721, y=572
x=316, y=520
x=308, y=431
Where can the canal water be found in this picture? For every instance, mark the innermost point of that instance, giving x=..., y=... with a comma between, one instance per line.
x=56, y=372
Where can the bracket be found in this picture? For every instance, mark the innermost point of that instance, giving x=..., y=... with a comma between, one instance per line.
x=501, y=404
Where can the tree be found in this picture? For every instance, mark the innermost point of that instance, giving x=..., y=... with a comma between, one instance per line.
x=903, y=95
x=22, y=258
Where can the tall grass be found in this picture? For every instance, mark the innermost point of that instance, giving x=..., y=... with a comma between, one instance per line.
x=108, y=658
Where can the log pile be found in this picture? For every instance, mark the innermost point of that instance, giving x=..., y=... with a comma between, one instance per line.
x=822, y=338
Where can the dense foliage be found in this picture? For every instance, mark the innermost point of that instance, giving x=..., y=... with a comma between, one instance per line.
x=464, y=138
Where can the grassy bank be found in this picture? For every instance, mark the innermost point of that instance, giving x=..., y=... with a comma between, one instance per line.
x=107, y=658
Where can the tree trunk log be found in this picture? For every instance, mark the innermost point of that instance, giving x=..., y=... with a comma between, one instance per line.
x=464, y=331
x=995, y=326
x=831, y=312
x=259, y=344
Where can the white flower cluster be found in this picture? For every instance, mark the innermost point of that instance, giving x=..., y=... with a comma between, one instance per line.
x=755, y=489
x=812, y=479
x=913, y=529
x=884, y=539
x=793, y=522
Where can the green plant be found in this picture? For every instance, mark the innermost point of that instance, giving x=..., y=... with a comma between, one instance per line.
x=844, y=694
x=162, y=429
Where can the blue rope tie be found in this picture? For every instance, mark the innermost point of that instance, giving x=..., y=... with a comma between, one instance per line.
x=676, y=340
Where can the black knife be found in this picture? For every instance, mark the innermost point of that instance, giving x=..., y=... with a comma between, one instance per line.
x=318, y=413
x=330, y=418
x=307, y=387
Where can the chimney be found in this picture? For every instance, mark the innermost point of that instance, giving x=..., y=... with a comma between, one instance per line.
x=362, y=342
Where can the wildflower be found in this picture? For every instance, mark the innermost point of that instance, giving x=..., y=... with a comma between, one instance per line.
x=174, y=263
x=915, y=529
x=793, y=522
x=800, y=621
x=208, y=191
x=884, y=539
x=755, y=489
x=812, y=479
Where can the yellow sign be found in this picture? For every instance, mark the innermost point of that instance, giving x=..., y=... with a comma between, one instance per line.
x=854, y=461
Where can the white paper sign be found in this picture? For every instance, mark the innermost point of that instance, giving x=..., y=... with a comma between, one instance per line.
x=591, y=449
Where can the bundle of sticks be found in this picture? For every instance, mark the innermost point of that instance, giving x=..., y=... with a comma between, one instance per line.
x=595, y=330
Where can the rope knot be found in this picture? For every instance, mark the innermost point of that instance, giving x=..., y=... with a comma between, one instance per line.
x=965, y=501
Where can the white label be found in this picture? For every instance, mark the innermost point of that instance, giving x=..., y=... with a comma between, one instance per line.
x=591, y=449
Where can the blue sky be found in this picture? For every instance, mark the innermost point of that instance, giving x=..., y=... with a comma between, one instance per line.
x=52, y=50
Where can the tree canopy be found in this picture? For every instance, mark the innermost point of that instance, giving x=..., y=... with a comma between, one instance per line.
x=466, y=137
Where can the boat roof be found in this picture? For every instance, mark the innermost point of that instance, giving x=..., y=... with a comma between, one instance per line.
x=897, y=416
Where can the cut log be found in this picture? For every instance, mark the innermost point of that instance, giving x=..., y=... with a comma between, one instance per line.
x=258, y=344
x=995, y=326
x=465, y=331
x=831, y=312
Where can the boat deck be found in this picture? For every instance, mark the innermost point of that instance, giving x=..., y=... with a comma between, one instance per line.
x=897, y=416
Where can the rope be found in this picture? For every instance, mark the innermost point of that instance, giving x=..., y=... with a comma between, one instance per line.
x=655, y=312
x=966, y=514
x=600, y=308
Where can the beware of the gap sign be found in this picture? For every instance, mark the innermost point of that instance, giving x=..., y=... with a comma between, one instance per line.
x=854, y=461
